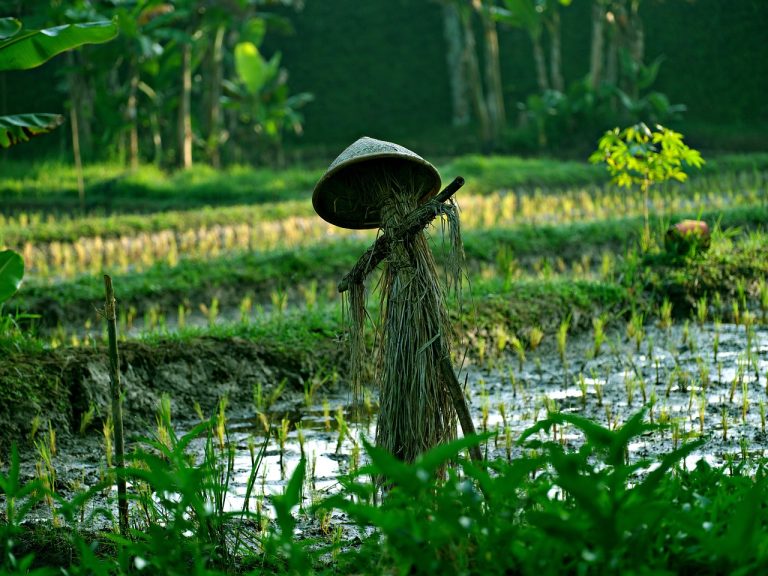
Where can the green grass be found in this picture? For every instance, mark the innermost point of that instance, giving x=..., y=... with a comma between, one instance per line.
x=52, y=187
x=112, y=188
x=486, y=174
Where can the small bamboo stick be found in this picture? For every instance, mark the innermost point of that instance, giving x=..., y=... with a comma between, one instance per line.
x=117, y=409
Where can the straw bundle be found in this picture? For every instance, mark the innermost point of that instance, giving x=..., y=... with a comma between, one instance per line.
x=415, y=408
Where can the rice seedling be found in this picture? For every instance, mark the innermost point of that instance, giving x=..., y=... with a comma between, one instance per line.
x=635, y=330
x=246, y=309
x=701, y=310
x=326, y=415
x=562, y=341
x=282, y=436
x=45, y=472
x=665, y=314
x=34, y=427
x=702, y=406
x=279, y=300
x=652, y=401
x=716, y=341
x=181, y=316
x=762, y=291
x=309, y=294
x=583, y=388
x=341, y=429
x=86, y=418
x=598, y=328
x=535, y=336
x=598, y=386
x=744, y=401
x=629, y=387
x=519, y=349
x=211, y=313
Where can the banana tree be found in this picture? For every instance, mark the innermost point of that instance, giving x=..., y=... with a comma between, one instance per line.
x=259, y=96
x=22, y=49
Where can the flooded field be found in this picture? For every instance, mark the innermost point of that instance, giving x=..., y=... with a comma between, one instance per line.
x=676, y=373
x=708, y=380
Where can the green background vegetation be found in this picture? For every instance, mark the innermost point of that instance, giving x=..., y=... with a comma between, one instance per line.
x=226, y=285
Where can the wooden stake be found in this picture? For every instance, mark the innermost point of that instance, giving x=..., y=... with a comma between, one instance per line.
x=460, y=404
x=110, y=313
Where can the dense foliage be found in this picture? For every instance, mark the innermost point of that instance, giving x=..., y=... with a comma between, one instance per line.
x=411, y=101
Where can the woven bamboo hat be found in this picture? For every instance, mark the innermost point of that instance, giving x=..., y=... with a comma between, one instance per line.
x=345, y=195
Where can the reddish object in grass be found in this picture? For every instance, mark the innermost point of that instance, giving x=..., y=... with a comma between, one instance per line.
x=687, y=236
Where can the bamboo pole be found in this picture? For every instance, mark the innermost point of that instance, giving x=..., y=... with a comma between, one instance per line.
x=110, y=313
x=460, y=404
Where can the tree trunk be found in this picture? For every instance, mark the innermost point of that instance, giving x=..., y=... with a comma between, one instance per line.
x=494, y=92
x=132, y=117
x=635, y=41
x=457, y=69
x=75, y=126
x=541, y=64
x=475, y=81
x=185, y=104
x=214, y=112
x=596, y=53
x=157, y=137
x=555, y=51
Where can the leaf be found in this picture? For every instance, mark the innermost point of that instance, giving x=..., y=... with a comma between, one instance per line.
x=31, y=48
x=22, y=127
x=290, y=498
x=11, y=273
x=653, y=479
x=744, y=526
x=647, y=74
x=9, y=27
x=442, y=453
x=254, y=31
x=397, y=471
x=251, y=67
x=632, y=428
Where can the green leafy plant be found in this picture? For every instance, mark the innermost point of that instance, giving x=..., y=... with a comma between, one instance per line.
x=639, y=156
x=22, y=49
x=11, y=274
x=260, y=95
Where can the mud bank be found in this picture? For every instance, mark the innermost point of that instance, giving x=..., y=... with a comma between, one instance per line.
x=57, y=387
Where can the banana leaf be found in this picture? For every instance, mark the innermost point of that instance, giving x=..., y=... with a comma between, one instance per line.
x=27, y=49
x=22, y=127
x=11, y=273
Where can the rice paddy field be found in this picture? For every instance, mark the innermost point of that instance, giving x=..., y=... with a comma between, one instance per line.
x=619, y=391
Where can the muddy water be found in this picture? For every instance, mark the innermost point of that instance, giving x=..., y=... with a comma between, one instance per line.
x=721, y=397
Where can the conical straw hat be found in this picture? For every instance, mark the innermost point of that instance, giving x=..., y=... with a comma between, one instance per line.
x=347, y=194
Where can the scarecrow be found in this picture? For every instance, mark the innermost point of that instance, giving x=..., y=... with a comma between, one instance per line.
x=377, y=184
